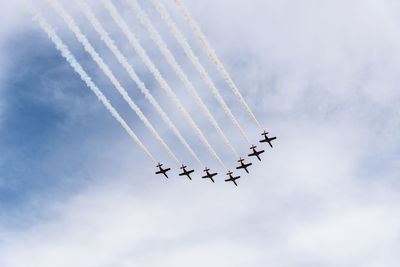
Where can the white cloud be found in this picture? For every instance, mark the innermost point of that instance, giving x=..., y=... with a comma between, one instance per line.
x=326, y=71
x=301, y=206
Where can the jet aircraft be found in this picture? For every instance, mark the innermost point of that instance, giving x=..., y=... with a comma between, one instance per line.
x=267, y=139
x=243, y=165
x=231, y=178
x=209, y=175
x=185, y=172
x=255, y=152
x=162, y=171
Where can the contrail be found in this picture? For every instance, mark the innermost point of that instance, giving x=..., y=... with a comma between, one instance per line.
x=84, y=76
x=174, y=64
x=89, y=48
x=143, y=55
x=124, y=62
x=214, y=57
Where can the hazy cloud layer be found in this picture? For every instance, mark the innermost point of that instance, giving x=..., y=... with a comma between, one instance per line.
x=321, y=75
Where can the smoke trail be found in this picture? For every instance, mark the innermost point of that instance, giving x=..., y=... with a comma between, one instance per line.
x=122, y=59
x=143, y=55
x=89, y=48
x=171, y=60
x=180, y=38
x=78, y=68
x=214, y=58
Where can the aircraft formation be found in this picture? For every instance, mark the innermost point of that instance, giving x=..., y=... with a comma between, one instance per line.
x=121, y=25
x=231, y=178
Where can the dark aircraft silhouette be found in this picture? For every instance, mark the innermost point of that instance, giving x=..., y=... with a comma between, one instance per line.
x=255, y=152
x=162, y=171
x=243, y=165
x=209, y=175
x=185, y=172
x=231, y=178
x=267, y=139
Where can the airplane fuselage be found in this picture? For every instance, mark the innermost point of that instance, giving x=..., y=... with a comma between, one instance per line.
x=244, y=166
x=267, y=139
x=187, y=173
x=162, y=171
x=256, y=153
x=232, y=179
x=210, y=176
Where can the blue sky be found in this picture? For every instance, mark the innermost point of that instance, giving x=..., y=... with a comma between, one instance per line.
x=75, y=190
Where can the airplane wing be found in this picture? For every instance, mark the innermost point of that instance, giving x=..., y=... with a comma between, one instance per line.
x=187, y=174
x=269, y=142
x=231, y=180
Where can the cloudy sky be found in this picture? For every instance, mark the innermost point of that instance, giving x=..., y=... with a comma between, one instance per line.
x=322, y=76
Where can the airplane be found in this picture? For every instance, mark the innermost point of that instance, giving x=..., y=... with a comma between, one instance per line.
x=185, y=172
x=255, y=152
x=231, y=178
x=243, y=165
x=209, y=175
x=267, y=139
x=162, y=171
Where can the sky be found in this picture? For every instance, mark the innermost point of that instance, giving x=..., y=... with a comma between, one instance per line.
x=76, y=190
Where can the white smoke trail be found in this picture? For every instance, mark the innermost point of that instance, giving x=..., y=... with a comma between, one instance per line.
x=145, y=58
x=214, y=58
x=84, y=76
x=89, y=48
x=124, y=62
x=174, y=64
